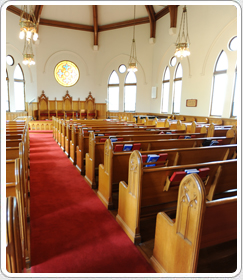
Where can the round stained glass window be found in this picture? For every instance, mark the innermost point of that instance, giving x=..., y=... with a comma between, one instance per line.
x=66, y=73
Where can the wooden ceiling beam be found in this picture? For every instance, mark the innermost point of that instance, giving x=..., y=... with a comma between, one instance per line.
x=122, y=24
x=173, y=15
x=162, y=13
x=96, y=28
x=38, y=10
x=14, y=10
x=68, y=25
x=152, y=20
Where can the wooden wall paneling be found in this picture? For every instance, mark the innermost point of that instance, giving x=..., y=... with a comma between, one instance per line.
x=59, y=105
x=101, y=110
x=52, y=105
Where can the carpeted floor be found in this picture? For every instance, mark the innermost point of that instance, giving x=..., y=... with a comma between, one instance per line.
x=71, y=230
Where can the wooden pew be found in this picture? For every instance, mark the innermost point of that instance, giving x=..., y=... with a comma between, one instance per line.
x=151, y=190
x=115, y=167
x=81, y=141
x=14, y=261
x=199, y=223
x=15, y=187
x=96, y=149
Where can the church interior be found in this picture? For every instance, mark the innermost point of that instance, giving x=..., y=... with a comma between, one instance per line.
x=121, y=138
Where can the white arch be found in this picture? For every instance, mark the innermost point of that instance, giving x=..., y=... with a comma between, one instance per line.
x=213, y=45
x=70, y=52
x=112, y=60
x=18, y=51
x=165, y=56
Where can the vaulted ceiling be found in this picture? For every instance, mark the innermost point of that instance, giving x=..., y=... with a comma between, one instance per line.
x=99, y=18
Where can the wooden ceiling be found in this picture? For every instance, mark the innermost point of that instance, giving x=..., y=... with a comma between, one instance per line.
x=148, y=15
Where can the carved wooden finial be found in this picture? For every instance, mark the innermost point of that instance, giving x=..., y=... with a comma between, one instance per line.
x=43, y=92
x=67, y=92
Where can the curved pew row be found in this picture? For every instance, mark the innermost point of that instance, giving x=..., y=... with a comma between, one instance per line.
x=151, y=190
x=96, y=149
x=115, y=167
x=95, y=156
x=199, y=223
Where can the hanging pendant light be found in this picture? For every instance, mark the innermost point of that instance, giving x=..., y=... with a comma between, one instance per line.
x=132, y=63
x=183, y=41
x=28, y=32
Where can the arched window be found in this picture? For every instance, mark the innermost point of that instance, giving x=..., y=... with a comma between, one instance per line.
x=19, y=93
x=7, y=93
x=113, y=92
x=165, y=91
x=219, y=84
x=177, y=90
x=236, y=96
x=130, y=90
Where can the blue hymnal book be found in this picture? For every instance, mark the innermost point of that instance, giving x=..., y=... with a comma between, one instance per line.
x=127, y=147
x=190, y=171
x=100, y=134
x=168, y=132
x=152, y=158
x=213, y=143
x=112, y=136
x=113, y=139
x=187, y=137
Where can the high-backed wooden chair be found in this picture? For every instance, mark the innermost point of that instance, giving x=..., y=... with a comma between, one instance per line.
x=90, y=107
x=43, y=112
x=68, y=106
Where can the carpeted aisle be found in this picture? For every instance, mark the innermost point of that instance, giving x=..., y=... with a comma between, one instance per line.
x=71, y=230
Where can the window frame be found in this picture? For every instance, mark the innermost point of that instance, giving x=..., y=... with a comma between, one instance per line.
x=233, y=100
x=215, y=73
x=176, y=80
x=7, y=79
x=162, y=90
x=130, y=84
x=113, y=85
x=21, y=81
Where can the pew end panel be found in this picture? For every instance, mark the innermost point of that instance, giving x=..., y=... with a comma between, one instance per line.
x=129, y=204
x=198, y=224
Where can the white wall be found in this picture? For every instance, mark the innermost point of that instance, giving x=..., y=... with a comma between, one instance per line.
x=210, y=29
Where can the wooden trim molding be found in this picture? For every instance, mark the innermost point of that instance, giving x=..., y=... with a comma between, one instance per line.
x=162, y=13
x=38, y=10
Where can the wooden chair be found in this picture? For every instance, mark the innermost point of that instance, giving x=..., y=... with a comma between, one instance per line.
x=43, y=112
x=68, y=106
x=90, y=107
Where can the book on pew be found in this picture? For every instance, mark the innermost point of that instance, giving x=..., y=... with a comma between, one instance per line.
x=90, y=130
x=187, y=137
x=181, y=137
x=127, y=147
x=136, y=146
x=162, y=157
x=113, y=139
x=220, y=142
x=97, y=130
x=144, y=158
x=119, y=139
x=118, y=148
x=151, y=158
x=107, y=134
x=214, y=143
x=177, y=176
x=162, y=132
x=102, y=139
x=112, y=136
x=168, y=132
x=193, y=136
x=100, y=134
x=203, y=172
x=191, y=171
x=206, y=142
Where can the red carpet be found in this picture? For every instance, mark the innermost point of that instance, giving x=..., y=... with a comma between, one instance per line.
x=71, y=230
